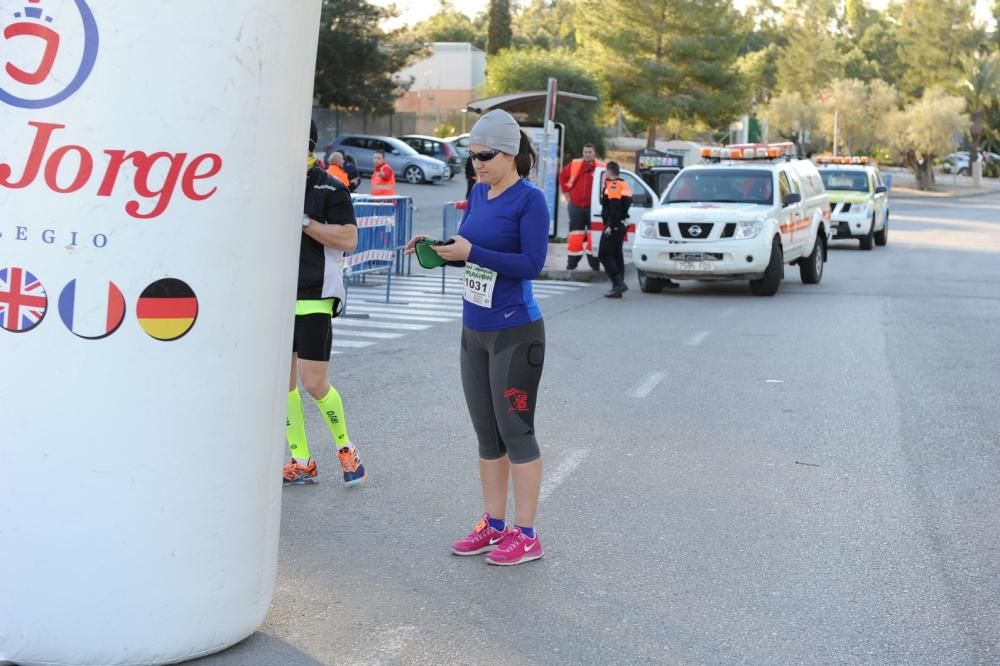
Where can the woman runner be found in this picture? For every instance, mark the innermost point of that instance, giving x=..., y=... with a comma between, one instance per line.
x=503, y=242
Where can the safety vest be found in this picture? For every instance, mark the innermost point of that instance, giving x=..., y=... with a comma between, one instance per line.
x=338, y=172
x=383, y=181
x=575, y=167
x=616, y=189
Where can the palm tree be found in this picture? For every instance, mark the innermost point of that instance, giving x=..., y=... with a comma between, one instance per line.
x=981, y=90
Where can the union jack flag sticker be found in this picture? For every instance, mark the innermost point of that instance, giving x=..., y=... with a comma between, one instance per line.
x=23, y=301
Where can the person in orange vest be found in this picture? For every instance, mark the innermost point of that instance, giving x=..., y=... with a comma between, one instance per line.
x=336, y=168
x=383, y=178
x=616, y=198
x=576, y=180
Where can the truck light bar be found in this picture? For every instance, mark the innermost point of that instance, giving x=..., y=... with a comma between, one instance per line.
x=749, y=151
x=841, y=159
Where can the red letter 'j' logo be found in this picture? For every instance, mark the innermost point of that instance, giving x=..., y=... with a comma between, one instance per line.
x=34, y=28
x=39, y=48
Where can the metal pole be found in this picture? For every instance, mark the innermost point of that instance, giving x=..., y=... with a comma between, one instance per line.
x=551, y=92
x=836, y=128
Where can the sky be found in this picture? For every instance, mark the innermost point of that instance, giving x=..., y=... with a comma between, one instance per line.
x=414, y=11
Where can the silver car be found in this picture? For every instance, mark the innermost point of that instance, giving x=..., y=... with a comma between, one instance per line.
x=408, y=164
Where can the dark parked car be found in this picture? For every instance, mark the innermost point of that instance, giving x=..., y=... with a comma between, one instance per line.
x=438, y=149
x=408, y=164
x=460, y=143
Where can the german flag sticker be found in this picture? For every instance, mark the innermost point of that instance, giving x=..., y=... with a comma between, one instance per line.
x=167, y=309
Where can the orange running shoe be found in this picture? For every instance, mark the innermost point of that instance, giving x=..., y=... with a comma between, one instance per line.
x=354, y=471
x=297, y=474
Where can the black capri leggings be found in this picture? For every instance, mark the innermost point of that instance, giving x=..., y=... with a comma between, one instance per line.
x=500, y=375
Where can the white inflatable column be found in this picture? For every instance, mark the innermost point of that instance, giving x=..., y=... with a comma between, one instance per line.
x=152, y=166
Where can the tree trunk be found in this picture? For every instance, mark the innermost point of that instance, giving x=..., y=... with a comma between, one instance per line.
x=924, y=174
x=651, y=136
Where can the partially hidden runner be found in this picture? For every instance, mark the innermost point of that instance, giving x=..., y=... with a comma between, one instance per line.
x=503, y=242
x=329, y=229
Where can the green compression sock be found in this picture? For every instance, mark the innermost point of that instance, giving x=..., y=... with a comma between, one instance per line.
x=332, y=409
x=295, y=427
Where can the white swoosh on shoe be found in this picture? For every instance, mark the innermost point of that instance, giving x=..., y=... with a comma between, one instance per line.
x=527, y=548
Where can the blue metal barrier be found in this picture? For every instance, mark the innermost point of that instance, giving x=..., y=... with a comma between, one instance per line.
x=376, y=251
x=451, y=217
x=402, y=226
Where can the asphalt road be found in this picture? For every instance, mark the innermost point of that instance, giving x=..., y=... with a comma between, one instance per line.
x=805, y=479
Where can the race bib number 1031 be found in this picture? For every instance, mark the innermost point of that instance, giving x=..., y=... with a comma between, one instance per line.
x=479, y=284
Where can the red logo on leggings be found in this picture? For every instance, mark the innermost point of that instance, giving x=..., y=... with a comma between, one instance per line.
x=518, y=400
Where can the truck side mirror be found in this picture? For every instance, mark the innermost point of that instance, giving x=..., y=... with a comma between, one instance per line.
x=881, y=189
x=791, y=198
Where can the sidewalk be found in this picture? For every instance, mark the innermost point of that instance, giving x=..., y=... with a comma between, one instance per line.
x=555, y=267
x=946, y=186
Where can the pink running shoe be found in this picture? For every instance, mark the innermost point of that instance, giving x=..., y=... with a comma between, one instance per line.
x=516, y=549
x=483, y=539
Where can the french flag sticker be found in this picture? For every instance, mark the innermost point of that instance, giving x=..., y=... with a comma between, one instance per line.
x=92, y=309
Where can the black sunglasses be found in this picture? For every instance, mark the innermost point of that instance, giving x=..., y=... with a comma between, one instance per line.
x=485, y=156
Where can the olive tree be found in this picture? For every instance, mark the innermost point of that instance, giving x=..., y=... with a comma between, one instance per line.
x=791, y=116
x=925, y=131
x=856, y=110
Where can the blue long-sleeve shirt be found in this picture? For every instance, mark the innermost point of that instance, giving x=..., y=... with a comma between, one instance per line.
x=509, y=235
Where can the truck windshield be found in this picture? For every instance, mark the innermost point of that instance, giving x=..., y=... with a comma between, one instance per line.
x=722, y=186
x=850, y=181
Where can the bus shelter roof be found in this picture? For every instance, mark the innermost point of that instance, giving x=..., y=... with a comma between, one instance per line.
x=524, y=102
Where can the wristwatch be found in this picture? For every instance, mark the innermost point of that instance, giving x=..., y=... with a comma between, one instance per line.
x=305, y=221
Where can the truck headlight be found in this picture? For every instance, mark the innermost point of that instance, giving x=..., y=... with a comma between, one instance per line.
x=748, y=229
x=647, y=229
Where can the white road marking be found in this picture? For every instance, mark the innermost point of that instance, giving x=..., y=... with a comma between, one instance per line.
x=775, y=381
x=361, y=305
x=408, y=317
x=562, y=472
x=698, y=338
x=416, y=304
x=396, y=310
x=352, y=322
x=351, y=333
x=401, y=293
x=352, y=343
x=422, y=283
x=643, y=388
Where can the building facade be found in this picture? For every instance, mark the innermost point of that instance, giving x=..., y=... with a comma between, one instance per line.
x=445, y=81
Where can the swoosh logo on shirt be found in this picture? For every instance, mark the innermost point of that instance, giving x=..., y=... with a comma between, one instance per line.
x=507, y=315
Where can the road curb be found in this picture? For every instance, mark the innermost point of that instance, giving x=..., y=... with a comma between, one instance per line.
x=932, y=196
x=579, y=275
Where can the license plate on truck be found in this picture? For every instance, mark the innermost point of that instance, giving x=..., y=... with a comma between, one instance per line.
x=695, y=266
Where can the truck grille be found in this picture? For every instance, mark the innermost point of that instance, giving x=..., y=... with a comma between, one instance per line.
x=845, y=207
x=695, y=230
x=664, y=229
x=729, y=230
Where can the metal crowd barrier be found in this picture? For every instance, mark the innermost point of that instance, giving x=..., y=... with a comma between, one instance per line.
x=451, y=217
x=402, y=227
x=376, y=251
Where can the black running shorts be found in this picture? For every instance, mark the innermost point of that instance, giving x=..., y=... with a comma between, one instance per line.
x=501, y=371
x=313, y=337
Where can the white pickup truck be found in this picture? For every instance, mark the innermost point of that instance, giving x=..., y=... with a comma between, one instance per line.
x=743, y=216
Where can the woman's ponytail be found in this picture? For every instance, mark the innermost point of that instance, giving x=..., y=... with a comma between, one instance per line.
x=526, y=158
